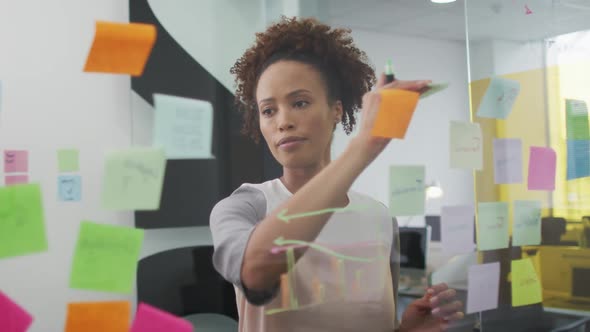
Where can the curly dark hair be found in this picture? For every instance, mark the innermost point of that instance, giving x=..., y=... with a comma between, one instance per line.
x=344, y=68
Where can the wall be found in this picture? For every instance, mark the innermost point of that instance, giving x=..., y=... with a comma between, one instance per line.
x=49, y=103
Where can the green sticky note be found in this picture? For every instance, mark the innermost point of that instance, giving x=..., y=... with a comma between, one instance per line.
x=492, y=225
x=465, y=145
x=106, y=258
x=68, y=160
x=133, y=179
x=22, y=225
x=406, y=190
x=433, y=88
x=526, y=286
x=576, y=118
x=499, y=98
x=526, y=227
x=183, y=127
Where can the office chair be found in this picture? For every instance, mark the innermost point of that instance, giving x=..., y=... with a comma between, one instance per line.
x=183, y=282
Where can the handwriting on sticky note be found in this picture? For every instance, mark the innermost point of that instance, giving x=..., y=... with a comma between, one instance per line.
x=465, y=145
x=542, y=163
x=395, y=113
x=183, y=126
x=457, y=227
x=499, y=98
x=150, y=319
x=16, y=179
x=526, y=228
x=110, y=316
x=106, y=257
x=483, y=287
x=16, y=161
x=507, y=160
x=67, y=160
x=121, y=48
x=578, y=159
x=69, y=188
x=526, y=286
x=133, y=179
x=13, y=318
x=406, y=190
x=492, y=225
x=22, y=224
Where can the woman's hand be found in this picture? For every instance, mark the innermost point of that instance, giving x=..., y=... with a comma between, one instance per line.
x=372, y=146
x=433, y=312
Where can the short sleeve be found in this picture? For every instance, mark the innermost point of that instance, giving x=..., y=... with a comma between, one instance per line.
x=232, y=221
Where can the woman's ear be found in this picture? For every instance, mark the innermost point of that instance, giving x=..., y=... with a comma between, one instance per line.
x=338, y=111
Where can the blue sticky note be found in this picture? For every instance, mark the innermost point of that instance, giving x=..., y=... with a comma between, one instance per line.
x=69, y=188
x=578, y=159
x=183, y=127
x=507, y=160
x=499, y=98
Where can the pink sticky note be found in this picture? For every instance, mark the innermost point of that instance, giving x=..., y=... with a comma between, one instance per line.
x=150, y=319
x=15, y=179
x=13, y=318
x=16, y=161
x=541, y=168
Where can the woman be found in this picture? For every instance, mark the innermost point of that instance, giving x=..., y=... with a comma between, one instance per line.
x=296, y=83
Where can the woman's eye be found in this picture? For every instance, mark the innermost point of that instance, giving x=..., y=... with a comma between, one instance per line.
x=266, y=111
x=301, y=104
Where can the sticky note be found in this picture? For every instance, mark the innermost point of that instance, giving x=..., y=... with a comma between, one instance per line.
x=465, y=145
x=578, y=159
x=150, y=319
x=526, y=286
x=542, y=162
x=13, y=318
x=183, y=126
x=576, y=120
x=22, y=225
x=106, y=257
x=526, y=227
x=499, y=98
x=69, y=188
x=121, y=48
x=16, y=161
x=457, y=228
x=68, y=160
x=112, y=316
x=483, y=282
x=16, y=179
x=433, y=88
x=395, y=113
x=507, y=160
x=406, y=190
x=492, y=225
x=133, y=179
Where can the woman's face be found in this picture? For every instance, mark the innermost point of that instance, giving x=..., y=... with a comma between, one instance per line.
x=296, y=118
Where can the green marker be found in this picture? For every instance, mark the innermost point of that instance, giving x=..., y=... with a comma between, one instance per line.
x=389, y=75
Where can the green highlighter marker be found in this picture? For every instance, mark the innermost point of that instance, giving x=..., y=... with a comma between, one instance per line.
x=389, y=75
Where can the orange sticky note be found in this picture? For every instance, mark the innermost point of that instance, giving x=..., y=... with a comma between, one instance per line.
x=395, y=113
x=121, y=48
x=111, y=316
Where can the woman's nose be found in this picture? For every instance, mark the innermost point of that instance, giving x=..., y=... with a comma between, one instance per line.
x=285, y=121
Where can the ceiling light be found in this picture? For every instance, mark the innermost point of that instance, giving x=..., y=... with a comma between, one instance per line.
x=443, y=1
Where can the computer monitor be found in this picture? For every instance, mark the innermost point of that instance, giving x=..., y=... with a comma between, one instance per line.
x=414, y=247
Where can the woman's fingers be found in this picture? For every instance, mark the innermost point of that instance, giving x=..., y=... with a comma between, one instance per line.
x=456, y=316
x=448, y=309
x=443, y=297
x=436, y=289
x=417, y=85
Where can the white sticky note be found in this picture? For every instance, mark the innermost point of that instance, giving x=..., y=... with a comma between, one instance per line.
x=183, y=127
x=465, y=145
x=483, y=287
x=457, y=228
x=507, y=160
x=526, y=227
x=499, y=98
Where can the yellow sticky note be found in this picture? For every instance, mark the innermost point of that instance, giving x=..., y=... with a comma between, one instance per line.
x=121, y=48
x=526, y=286
x=111, y=316
x=395, y=113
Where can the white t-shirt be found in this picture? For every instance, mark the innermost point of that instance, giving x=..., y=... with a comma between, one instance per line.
x=343, y=282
